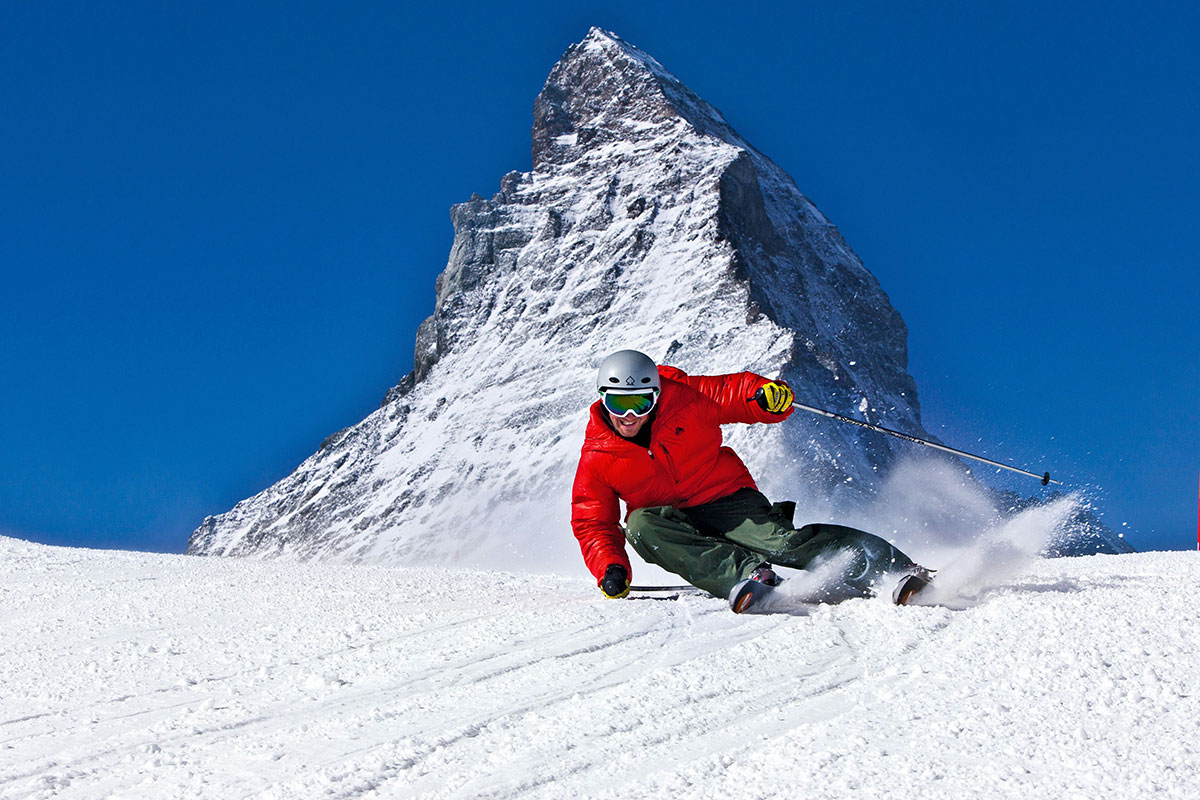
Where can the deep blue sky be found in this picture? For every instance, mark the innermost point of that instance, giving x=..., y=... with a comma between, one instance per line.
x=220, y=223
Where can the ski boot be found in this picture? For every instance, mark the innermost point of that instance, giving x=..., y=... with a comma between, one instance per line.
x=752, y=590
x=911, y=585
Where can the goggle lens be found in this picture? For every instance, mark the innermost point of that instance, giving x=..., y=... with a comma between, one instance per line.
x=637, y=404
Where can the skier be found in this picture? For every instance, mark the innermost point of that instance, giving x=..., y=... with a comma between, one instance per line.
x=654, y=440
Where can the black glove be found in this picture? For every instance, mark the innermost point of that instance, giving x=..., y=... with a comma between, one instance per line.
x=775, y=397
x=615, y=583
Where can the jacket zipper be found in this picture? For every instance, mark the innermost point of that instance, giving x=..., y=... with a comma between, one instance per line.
x=667, y=462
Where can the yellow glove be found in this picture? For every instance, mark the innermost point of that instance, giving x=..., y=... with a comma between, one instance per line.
x=775, y=397
x=615, y=583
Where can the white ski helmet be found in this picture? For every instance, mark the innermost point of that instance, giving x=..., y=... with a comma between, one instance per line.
x=627, y=371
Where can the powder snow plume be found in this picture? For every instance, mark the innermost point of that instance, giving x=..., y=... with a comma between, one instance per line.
x=998, y=554
x=942, y=517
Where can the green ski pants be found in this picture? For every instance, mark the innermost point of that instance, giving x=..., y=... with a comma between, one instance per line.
x=717, y=545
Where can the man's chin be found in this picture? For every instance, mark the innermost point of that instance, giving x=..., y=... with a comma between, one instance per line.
x=627, y=430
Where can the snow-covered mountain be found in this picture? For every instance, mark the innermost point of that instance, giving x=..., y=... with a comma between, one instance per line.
x=646, y=222
x=154, y=676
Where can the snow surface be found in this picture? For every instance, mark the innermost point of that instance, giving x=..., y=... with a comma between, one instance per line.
x=145, y=675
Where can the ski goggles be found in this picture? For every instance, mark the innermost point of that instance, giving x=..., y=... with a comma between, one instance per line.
x=639, y=404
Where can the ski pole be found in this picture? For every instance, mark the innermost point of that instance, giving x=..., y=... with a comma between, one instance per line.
x=661, y=588
x=1045, y=479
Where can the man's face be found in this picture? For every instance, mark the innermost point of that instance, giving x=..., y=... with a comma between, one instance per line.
x=628, y=425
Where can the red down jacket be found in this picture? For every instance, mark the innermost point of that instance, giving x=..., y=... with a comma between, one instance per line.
x=684, y=466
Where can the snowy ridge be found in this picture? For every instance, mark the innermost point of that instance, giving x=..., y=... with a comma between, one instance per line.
x=130, y=674
x=646, y=222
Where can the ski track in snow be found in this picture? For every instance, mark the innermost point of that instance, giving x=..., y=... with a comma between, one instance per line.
x=139, y=675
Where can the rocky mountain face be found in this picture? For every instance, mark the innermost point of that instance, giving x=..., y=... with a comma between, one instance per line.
x=646, y=222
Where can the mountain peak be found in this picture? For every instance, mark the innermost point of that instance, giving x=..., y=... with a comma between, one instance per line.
x=604, y=89
x=613, y=47
x=646, y=222
x=600, y=38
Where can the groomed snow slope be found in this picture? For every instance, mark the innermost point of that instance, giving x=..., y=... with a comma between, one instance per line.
x=136, y=675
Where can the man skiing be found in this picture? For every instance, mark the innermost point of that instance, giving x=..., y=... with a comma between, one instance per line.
x=654, y=440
